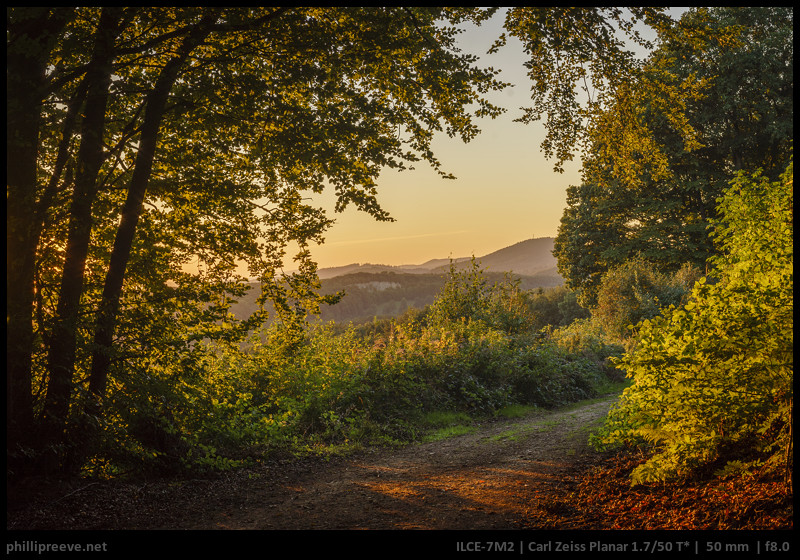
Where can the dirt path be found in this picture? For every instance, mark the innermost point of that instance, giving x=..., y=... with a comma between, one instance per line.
x=485, y=480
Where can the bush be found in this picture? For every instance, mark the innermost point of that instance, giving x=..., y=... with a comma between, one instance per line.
x=713, y=379
x=316, y=387
x=635, y=291
x=468, y=297
x=556, y=307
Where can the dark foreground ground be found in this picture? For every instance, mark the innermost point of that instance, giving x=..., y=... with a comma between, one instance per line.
x=529, y=475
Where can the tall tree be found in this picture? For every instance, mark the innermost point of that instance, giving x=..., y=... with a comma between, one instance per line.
x=89, y=160
x=714, y=98
x=155, y=105
x=160, y=149
x=31, y=38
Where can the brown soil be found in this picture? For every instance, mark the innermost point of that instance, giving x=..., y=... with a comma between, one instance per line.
x=534, y=473
x=490, y=479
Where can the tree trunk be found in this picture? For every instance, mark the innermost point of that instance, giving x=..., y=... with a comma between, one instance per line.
x=62, y=351
x=32, y=34
x=106, y=320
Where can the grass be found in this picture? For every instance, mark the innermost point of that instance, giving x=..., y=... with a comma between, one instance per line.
x=516, y=411
x=445, y=424
x=443, y=418
x=449, y=432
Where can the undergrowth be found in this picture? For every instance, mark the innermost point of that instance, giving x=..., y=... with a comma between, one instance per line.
x=477, y=352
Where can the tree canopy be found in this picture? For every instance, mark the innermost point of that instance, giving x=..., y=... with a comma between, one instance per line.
x=579, y=58
x=714, y=98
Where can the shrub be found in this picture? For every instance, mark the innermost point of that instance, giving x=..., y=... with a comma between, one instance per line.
x=715, y=376
x=468, y=297
x=317, y=387
x=556, y=307
x=636, y=290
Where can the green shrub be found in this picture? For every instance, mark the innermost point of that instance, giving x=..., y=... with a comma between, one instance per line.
x=468, y=297
x=324, y=387
x=713, y=379
x=556, y=307
x=636, y=290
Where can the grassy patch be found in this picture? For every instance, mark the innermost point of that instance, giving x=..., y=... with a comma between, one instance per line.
x=508, y=435
x=443, y=419
x=608, y=387
x=516, y=411
x=445, y=424
x=448, y=432
x=520, y=432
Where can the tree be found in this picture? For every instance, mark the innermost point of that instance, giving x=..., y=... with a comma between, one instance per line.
x=152, y=151
x=577, y=52
x=714, y=98
x=713, y=379
x=590, y=230
x=199, y=128
x=31, y=39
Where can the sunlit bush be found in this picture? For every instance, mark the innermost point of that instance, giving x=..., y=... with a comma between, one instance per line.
x=468, y=297
x=636, y=290
x=713, y=379
x=310, y=388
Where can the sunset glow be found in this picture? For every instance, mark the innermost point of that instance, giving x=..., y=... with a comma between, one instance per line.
x=505, y=190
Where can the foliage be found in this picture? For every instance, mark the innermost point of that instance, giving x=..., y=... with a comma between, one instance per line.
x=326, y=387
x=636, y=291
x=159, y=156
x=155, y=154
x=667, y=144
x=577, y=52
x=713, y=379
x=557, y=307
x=467, y=297
x=175, y=147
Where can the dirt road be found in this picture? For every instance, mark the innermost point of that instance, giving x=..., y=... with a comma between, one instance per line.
x=485, y=480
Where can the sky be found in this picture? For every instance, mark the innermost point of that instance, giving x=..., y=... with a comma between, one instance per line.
x=505, y=190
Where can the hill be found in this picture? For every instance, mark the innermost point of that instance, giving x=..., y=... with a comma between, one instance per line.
x=425, y=268
x=373, y=290
x=526, y=258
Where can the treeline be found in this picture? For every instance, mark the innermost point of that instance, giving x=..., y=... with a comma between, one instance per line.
x=369, y=296
x=385, y=295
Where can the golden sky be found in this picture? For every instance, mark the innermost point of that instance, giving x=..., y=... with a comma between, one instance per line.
x=505, y=190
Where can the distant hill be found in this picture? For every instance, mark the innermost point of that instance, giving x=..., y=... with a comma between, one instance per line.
x=388, y=291
x=526, y=258
x=425, y=268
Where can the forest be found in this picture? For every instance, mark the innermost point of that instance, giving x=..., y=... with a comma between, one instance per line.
x=154, y=151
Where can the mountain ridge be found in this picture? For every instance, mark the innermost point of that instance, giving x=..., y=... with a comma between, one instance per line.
x=528, y=258
x=379, y=291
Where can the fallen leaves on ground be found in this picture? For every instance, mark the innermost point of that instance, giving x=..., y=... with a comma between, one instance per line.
x=598, y=495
